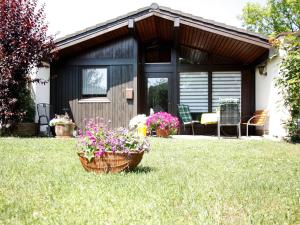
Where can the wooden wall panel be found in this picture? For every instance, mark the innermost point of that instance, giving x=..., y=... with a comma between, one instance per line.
x=248, y=93
x=66, y=84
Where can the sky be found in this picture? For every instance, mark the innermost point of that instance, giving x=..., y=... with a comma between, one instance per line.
x=68, y=16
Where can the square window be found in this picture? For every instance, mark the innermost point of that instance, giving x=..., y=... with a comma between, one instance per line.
x=94, y=81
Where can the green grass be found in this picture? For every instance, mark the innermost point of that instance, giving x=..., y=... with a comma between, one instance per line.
x=178, y=182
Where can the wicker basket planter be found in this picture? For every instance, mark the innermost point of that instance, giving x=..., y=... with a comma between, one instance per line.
x=112, y=162
x=64, y=130
x=162, y=132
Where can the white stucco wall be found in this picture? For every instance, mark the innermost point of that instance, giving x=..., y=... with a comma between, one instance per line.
x=41, y=92
x=268, y=97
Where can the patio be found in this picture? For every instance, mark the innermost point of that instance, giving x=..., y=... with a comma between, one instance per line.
x=214, y=137
x=181, y=181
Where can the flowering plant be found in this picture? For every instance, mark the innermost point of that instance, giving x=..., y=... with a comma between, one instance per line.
x=61, y=120
x=163, y=121
x=98, y=139
x=137, y=121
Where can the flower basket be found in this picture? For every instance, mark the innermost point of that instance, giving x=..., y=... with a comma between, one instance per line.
x=111, y=162
x=104, y=150
x=162, y=132
x=64, y=130
x=163, y=123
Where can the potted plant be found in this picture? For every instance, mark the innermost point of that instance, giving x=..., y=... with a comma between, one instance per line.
x=138, y=124
x=64, y=126
x=163, y=123
x=104, y=150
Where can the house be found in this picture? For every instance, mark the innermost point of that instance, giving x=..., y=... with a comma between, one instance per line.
x=155, y=58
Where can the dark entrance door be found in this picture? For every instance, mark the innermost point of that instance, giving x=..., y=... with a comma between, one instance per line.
x=158, y=92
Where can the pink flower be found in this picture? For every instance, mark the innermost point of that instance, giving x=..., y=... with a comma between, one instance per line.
x=99, y=153
x=98, y=139
x=162, y=120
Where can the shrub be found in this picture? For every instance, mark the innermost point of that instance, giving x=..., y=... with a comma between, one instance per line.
x=24, y=45
x=289, y=85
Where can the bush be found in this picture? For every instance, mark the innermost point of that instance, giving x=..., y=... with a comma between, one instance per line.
x=24, y=45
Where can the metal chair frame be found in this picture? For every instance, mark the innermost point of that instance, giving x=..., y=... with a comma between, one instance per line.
x=191, y=123
x=42, y=106
x=233, y=119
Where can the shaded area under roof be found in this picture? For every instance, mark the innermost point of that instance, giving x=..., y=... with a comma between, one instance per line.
x=154, y=22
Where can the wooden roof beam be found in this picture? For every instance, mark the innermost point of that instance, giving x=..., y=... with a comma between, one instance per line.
x=176, y=32
x=132, y=29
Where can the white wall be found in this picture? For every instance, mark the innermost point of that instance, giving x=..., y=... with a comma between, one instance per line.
x=41, y=92
x=268, y=97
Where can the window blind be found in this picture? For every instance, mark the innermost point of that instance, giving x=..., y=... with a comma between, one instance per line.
x=225, y=85
x=194, y=91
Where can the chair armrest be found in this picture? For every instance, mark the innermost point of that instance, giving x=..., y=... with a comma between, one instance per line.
x=248, y=122
x=245, y=118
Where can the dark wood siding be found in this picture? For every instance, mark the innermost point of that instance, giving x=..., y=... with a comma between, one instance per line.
x=120, y=59
x=248, y=93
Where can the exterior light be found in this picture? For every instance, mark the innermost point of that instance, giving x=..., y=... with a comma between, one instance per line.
x=261, y=69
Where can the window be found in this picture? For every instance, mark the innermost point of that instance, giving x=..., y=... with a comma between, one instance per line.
x=158, y=96
x=94, y=81
x=194, y=91
x=158, y=54
x=225, y=85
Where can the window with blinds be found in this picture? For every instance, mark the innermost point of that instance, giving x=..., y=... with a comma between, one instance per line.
x=194, y=91
x=225, y=85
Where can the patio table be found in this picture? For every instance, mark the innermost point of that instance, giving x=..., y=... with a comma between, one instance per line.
x=209, y=118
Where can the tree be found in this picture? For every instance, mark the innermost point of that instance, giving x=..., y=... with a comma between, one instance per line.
x=276, y=17
x=24, y=44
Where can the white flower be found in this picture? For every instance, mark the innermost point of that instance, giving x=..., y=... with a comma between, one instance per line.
x=60, y=120
x=137, y=120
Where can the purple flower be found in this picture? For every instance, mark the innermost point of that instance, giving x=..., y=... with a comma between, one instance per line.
x=99, y=153
x=99, y=139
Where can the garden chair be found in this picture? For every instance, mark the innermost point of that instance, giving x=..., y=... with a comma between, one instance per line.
x=258, y=120
x=186, y=117
x=229, y=115
x=43, y=110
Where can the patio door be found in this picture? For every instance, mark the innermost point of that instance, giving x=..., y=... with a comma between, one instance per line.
x=158, y=92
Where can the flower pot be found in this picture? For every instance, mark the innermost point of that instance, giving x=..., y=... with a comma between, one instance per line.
x=142, y=130
x=64, y=130
x=25, y=129
x=162, y=132
x=112, y=162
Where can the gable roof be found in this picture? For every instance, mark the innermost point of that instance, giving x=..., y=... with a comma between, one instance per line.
x=156, y=10
x=148, y=22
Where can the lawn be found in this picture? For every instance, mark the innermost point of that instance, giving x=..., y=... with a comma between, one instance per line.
x=178, y=182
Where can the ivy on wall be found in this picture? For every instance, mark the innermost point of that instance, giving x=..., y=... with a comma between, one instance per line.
x=289, y=84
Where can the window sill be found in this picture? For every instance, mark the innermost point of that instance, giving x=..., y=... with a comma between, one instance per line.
x=96, y=99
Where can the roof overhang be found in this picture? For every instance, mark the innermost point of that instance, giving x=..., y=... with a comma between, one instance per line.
x=159, y=22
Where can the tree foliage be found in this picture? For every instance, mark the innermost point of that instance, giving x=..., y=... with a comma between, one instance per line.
x=289, y=84
x=24, y=44
x=276, y=17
